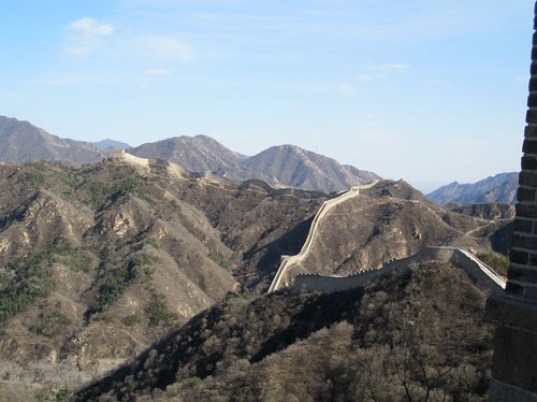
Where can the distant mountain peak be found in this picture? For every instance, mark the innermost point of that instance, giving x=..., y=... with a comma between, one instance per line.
x=281, y=165
x=499, y=188
x=111, y=144
x=21, y=141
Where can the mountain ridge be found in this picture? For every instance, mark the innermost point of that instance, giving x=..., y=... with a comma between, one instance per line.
x=283, y=165
x=500, y=188
x=280, y=165
x=22, y=141
x=98, y=262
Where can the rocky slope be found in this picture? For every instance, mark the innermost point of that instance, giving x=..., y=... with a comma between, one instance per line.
x=195, y=154
x=98, y=262
x=390, y=221
x=415, y=335
x=501, y=188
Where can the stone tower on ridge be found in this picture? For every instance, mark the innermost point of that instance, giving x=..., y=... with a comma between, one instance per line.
x=515, y=311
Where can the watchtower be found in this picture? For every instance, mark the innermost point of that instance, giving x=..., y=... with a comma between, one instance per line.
x=515, y=311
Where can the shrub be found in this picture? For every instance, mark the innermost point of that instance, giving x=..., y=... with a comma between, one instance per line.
x=29, y=280
x=50, y=324
x=130, y=320
x=115, y=279
x=220, y=260
x=497, y=262
x=158, y=312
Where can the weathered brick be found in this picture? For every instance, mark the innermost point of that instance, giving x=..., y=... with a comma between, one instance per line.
x=525, y=275
x=518, y=257
x=526, y=194
x=530, y=131
x=532, y=100
x=531, y=116
x=533, y=84
x=514, y=289
x=533, y=260
x=523, y=226
x=531, y=293
x=530, y=145
x=515, y=349
x=533, y=69
x=522, y=241
x=526, y=211
x=529, y=163
x=528, y=179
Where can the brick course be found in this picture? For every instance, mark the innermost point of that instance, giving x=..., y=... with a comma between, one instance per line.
x=514, y=366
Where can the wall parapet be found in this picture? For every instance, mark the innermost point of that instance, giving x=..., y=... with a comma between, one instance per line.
x=480, y=273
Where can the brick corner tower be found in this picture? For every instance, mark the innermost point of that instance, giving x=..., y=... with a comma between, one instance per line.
x=514, y=367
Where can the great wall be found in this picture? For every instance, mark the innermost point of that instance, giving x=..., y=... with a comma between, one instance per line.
x=478, y=271
x=287, y=261
x=514, y=367
x=482, y=275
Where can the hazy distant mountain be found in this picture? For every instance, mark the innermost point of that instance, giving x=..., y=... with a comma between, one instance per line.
x=285, y=165
x=499, y=188
x=21, y=141
x=108, y=144
x=196, y=154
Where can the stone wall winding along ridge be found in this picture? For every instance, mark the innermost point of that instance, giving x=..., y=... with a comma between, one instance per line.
x=287, y=261
x=482, y=275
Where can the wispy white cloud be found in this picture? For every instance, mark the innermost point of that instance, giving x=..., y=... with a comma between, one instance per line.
x=166, y=47
x=85, y=36
x=89, y=27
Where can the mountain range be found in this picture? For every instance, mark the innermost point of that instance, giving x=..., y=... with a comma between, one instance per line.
x=285, y=165
x=21, y=141
x=500, y=188
x=101, y=261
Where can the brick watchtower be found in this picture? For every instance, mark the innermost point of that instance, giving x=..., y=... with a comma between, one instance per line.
x=515, y=312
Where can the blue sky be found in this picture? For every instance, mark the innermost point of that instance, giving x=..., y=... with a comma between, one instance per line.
x=426, y=90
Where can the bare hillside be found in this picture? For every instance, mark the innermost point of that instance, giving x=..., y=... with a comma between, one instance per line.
x=411, y=336
x=284, y=165
x=99, y=262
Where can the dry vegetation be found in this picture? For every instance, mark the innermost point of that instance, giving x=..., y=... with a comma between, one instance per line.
x=99, y=262
x=414, y=336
